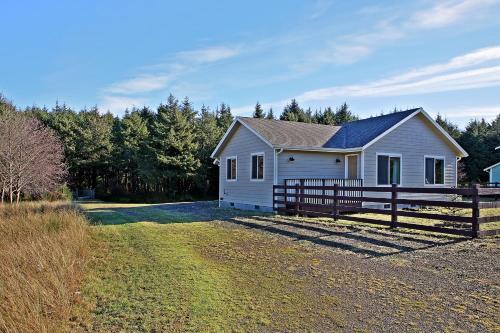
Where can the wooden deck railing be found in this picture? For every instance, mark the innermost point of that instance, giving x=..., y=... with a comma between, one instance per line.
x=320, y=195
x=332, y=202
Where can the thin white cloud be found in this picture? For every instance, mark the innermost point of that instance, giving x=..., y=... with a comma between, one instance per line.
x=487, y=112
x=319, y=8
x=352, y=48
x=118, y=104
x=445, y=13
x=132, y=92
x=210, y=54
x=476, y=69
x=139, y=84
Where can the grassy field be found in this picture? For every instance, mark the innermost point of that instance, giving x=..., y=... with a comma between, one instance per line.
x=178, y=268
x=43, y=251
x=157, y=270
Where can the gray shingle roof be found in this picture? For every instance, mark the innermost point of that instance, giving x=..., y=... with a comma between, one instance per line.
x=292, y=133
x=350, y=135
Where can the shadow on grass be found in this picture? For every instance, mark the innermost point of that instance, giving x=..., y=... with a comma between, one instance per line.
x=167, y=213
x=370, y=243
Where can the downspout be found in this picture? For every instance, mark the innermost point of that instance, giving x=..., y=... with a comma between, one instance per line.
x=217, y=162
x=275, y=168
x=456, y=170
x=362, y=166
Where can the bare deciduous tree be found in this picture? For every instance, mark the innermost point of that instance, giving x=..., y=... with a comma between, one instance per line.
x=31, y=157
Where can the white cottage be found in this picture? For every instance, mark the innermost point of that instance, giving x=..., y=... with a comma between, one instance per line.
x=407, y=148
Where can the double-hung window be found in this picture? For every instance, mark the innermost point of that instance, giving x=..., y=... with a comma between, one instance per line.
x=257, y=171
x=434, y=170
x=388, y=169
x=231, y=168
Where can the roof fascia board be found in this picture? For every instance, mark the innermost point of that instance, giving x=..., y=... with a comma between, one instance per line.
x=455, y=143
x=325, y=150
x=235, y=121
x=230, y=128
x=491, y=166
x=255, y=132
x=401, y=122
x=433, y=122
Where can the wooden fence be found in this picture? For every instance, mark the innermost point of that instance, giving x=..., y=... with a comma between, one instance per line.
x=334, y=203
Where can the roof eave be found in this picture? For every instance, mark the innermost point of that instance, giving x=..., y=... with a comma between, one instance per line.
x=319, y=149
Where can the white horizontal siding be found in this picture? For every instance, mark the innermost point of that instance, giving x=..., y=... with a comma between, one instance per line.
x=309, y=165
x=242, y=144
x=413, y=140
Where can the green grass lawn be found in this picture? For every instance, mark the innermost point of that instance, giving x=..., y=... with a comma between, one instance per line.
x=157, y=270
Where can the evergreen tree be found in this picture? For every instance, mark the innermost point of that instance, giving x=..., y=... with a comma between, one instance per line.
x=132, y=150
x=449, y=127
x=344, y=115
x=208, y=135
x=293, y=112
x=329, y=117
x=174, y=144
x=224, y=116
x=270, y=114
x=259, y=112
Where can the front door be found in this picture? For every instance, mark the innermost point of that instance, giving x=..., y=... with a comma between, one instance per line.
x=352, y=167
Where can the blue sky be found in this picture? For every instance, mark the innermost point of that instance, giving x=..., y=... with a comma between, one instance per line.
x=441, y=55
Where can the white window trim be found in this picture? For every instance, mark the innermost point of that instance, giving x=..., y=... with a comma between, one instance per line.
x=232, y=158
x=400, y=166
x=436, y=157
x=263, y=167
x=346, y=164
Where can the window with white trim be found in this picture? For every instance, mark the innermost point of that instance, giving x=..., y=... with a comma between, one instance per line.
x=388, y=169
x=434, y=170
x=231, y=168
x=257, y=166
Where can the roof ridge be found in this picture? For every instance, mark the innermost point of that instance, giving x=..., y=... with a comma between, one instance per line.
x=287, y=121
x=386, y=115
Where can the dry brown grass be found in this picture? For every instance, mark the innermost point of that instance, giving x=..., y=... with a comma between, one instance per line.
x=43, y=250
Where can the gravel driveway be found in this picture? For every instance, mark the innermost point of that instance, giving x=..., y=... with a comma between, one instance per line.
x=389, y=281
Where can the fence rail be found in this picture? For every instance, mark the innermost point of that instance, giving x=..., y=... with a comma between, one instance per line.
x=337, y=201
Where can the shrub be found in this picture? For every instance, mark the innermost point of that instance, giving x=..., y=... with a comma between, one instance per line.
x=43, y=250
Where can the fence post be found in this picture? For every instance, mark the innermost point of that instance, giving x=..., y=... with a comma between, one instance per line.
x=335, y=202
x=394, y=205
x=297, y=199
x=475, y=211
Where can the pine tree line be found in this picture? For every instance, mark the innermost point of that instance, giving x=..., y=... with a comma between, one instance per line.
x=293, y=112
x=165, y=153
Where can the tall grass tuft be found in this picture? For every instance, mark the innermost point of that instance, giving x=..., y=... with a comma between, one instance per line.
x=43, y=250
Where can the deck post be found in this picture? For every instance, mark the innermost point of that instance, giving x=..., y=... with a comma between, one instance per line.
x=475, y=211
x=323, y=193
x=302, y=191
x=297, y=199
x=394, y=205
x=335, y=201
x=285, y=196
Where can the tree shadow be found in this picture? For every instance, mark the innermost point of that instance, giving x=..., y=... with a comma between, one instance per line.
x=165, y=213
x=369, y=243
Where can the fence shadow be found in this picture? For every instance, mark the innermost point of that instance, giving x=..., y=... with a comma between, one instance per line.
x=370, y=243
